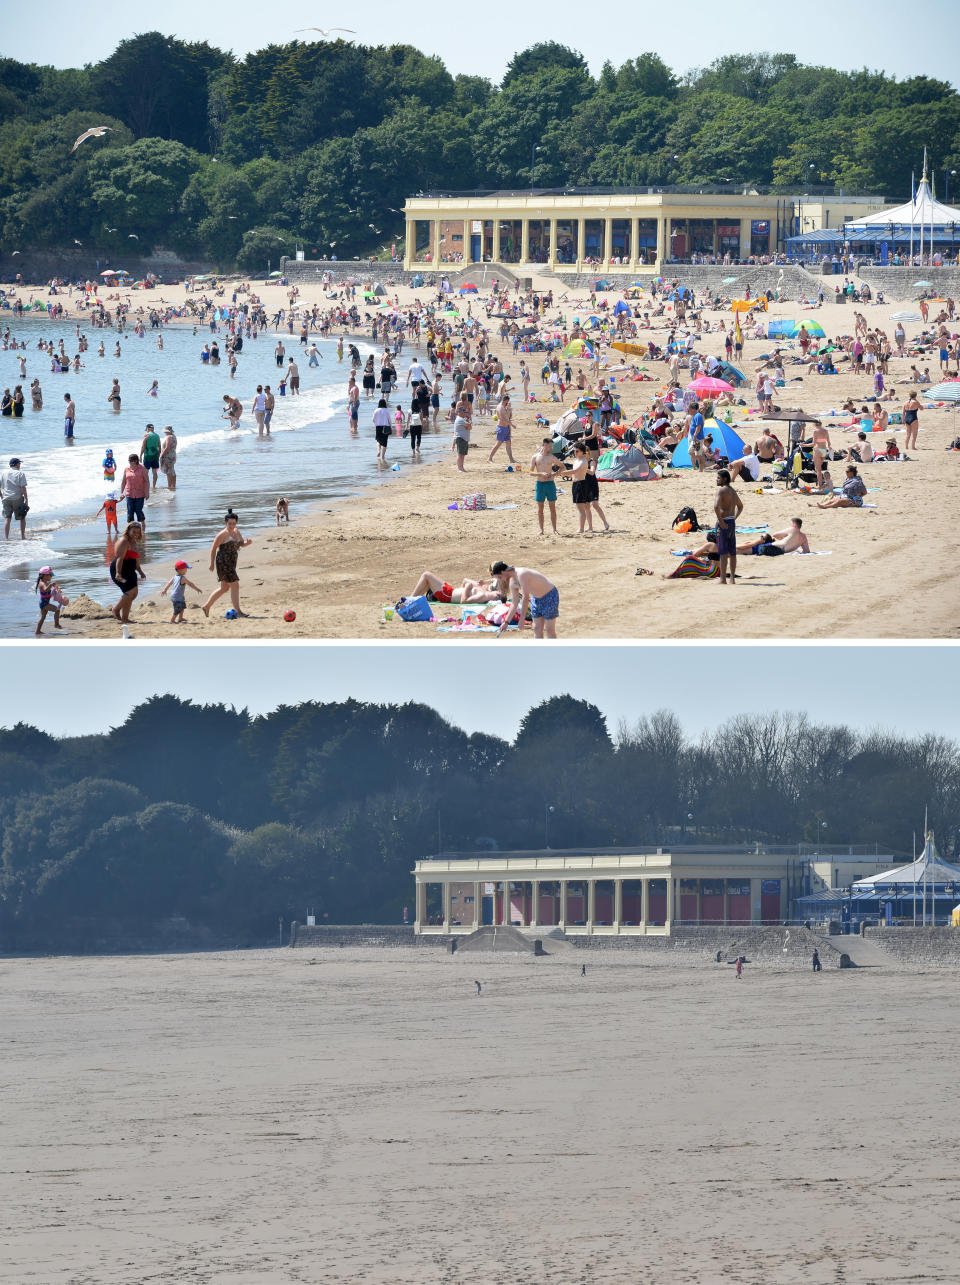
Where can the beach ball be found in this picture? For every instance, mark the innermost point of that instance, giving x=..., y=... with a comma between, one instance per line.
x=231, y=614
x=289, y=615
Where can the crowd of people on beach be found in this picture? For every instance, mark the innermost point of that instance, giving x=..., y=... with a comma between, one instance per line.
x=457, y=378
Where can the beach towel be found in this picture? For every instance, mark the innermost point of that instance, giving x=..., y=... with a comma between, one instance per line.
x=694, y=569
x=812, y=553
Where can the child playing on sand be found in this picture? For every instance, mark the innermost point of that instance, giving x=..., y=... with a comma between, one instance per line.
x=178, y=585
x=51, y=598
x=109, y=509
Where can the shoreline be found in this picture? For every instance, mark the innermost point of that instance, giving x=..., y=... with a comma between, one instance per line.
x=890, y=573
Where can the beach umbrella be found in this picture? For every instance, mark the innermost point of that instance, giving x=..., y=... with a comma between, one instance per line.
x=728, y=281
x=709, y=384
x=949, y=391
x=923, y=285
x=905, y=316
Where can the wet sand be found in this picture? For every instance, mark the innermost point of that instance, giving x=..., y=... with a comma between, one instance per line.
x=332, y=1116
x=891, y=570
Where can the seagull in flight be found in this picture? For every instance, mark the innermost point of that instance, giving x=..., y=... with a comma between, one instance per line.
x=76, y=242
x=109, y=229
x=96, y=131
x=327, y=31
x=132, y=236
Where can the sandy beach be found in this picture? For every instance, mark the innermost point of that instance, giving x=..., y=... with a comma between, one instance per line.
x=350, y=1115
x=889, y=572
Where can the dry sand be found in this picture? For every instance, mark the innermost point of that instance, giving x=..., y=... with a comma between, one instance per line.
x=892, y=571
x=333, y=1116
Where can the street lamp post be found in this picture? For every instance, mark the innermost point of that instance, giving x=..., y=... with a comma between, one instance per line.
x=821, y=825
x=947, y=176
x=547, y=809
x=533, y=154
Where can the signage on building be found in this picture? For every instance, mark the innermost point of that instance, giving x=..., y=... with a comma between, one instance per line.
x=488, y=889
x=476, y=226
x=769, y=885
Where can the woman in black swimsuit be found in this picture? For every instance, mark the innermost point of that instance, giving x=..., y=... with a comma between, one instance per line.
x=125, y=568
x=911, y=421
x=586, y=489
x=369, y=378
x=223, y=558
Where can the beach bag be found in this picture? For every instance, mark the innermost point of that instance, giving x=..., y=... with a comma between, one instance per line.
x=686, y=520
x=414, y=609
x=475, y=502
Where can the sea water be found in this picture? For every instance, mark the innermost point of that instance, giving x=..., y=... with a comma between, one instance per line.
x=309, y=457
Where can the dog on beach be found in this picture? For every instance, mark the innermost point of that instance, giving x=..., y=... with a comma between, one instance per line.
x=283, y=510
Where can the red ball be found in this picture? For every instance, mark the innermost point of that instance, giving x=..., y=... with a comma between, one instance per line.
x=289, y=615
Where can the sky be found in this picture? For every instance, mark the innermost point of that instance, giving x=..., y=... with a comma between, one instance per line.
x=89, y=688
x=888, y=37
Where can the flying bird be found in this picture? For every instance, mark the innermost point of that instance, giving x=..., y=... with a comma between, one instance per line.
x=327, y=31
x=13, y=252
x=96, y=131
x=109, y=229
x=132, y=236
x=76, y=242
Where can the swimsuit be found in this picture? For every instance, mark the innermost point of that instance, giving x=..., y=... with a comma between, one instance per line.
x=547, y=606
x=127, y=577
x=727, y=537
x=226, y=562
x=545, y=491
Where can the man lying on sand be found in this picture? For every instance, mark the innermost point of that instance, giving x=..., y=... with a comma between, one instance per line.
x=769, y=546
x=439, y=590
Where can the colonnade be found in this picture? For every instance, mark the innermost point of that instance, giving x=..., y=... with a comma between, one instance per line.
x=671, y=900
x=605, y=254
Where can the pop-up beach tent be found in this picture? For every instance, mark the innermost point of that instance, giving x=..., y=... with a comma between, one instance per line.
x=725, y=439
x=624, y=464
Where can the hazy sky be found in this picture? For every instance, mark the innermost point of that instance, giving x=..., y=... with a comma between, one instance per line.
x=886, y=36
x=88, y=688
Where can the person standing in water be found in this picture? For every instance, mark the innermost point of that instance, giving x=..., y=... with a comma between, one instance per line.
x=69, y=417
x=113, y=397
x=150, y=453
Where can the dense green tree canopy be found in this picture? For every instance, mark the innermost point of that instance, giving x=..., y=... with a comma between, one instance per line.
x=319, y=142
x=200, y=811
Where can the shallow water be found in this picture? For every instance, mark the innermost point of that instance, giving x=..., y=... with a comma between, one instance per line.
x=310, y=456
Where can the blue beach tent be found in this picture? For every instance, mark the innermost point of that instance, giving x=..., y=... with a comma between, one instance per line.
x=725, y=439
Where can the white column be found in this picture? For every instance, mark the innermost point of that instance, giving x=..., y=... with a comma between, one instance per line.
x=668, y=915
x=477, y=905
x=591, y=903
x=411, y=244
x=745, y=238
x=524, y=240
x=496, y=239
x=726, y=903
x=421, y=910
x=552, y=257
x=755, y=903
x=581, y=239
x=617, y=903
x=661, y=239
x=607, y=241
x=535, y=907
x=446, y=904
x=644, y=902
x=634, y=242
x=563, y=903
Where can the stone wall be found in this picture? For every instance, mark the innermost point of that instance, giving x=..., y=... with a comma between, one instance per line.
x=921, y=947
x=797, y=281
x=377, y=935
x=37, y=267
x=777, y=947
x=897, y=283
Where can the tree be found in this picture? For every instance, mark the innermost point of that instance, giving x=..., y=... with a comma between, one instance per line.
x=548, y=55
x=262, y=246
x=157, y=85
x=139, y=188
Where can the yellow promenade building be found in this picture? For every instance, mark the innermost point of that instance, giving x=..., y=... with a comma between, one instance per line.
x=620, y=232
x=627, y=891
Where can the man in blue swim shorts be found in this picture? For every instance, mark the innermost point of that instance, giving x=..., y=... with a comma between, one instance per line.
x=543, y=466
x=727, y=507
x=528, y=588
